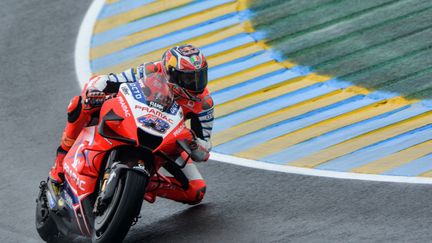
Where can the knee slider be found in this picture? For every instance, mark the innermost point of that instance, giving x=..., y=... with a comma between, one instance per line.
x=198, y=197
x=74, y=109
x=200, y=193
x=197, y=191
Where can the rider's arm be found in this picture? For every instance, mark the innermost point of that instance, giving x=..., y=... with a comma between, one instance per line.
x=202, y=124
x=111, y=83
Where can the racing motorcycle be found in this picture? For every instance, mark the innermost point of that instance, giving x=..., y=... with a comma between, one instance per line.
x=111, y=166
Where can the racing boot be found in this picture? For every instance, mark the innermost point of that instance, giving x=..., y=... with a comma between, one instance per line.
x=192, y=194
x=56, y=173
x=150, y=196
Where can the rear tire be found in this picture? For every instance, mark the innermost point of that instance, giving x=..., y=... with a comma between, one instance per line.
x=131, y=187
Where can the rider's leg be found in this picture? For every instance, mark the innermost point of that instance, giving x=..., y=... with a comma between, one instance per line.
x=195, y=190
x=77, y=118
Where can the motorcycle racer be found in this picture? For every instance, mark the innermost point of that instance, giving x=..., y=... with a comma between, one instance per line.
x=185, y=68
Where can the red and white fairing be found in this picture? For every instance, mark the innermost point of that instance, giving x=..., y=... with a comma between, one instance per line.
x=132, y=123
x=83, y=160
x=139, y=109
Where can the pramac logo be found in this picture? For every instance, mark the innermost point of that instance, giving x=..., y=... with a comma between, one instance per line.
x=124, y=107
x=155, y=112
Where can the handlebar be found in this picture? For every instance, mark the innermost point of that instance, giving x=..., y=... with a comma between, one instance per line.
x=97, y=102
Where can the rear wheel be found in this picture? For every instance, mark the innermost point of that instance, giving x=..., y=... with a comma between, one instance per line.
x=114, y=223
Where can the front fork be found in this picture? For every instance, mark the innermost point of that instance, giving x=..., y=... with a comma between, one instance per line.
x=112, y=174
x=110, y=179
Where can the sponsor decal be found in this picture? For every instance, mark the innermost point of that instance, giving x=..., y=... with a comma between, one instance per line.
x=141, y=84
x=156, y=105
x=153, y=122
x=124, y=107
x=125, y=90
x=155, y=112
x=68, y=190
x=179, y=130
x=80, y=183
x=137, y=92
x=196, y=60
x=174, y=109
x=68, y=199
x=208, y=115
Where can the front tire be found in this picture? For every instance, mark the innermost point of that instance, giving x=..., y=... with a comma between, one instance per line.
x=114, y=223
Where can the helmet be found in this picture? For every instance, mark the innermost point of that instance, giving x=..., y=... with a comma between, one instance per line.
x=157, y=92
x=186, y=68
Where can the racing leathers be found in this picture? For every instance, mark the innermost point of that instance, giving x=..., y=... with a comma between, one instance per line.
x=84, y=111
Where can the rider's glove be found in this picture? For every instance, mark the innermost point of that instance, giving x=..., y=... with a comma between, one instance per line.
x=204, y=143
x=94, y=98
x=198, y=152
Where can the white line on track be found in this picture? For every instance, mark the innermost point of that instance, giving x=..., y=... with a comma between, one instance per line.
x=82, y=45
x=83, y=70
x=316, y=172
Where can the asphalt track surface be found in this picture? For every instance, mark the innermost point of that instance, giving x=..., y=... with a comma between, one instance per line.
x=37, y=76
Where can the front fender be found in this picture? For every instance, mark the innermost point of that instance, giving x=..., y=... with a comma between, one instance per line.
x=116, y=171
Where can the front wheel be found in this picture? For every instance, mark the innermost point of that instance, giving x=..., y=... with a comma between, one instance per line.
x=115, y=221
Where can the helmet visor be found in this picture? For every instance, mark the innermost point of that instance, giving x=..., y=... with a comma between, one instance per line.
x=194, y=81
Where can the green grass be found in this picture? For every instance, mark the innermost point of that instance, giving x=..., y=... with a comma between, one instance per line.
x=377, y=44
